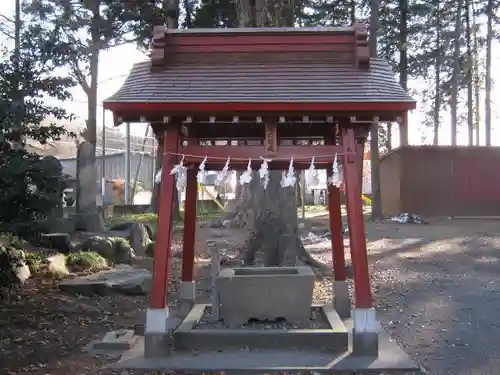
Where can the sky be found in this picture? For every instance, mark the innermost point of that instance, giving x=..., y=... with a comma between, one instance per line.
x=115, y=64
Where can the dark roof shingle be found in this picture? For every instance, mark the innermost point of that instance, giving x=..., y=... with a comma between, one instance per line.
x=321, y=78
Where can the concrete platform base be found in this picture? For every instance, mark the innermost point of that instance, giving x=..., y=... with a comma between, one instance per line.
x=334, y=339
x=117, y=340
x=391, y=358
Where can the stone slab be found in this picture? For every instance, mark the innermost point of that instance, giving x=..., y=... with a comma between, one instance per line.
x=187, y=337
x=391, y=359
x=123, y=279
x=117, y=340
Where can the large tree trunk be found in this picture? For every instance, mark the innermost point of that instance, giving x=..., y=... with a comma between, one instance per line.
x=437, y=68
x=456, y=74
x=275, y=232
x=374, y=143
x=469, y=74
x=403, y=59
x=487, y=84
x=477, y=86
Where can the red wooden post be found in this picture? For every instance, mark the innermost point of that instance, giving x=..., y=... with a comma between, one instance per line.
x=335, y=213
x=352, y=176
x=189, y=226
x=161, y=262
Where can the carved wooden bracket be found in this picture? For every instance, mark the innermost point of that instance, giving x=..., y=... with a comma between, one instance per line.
x=158, y=46
x=362, y=50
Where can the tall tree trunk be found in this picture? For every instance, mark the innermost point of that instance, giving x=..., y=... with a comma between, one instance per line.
x=487, y=88
x=95, y=34
x=275, y=233
x=171, y=11
x=477, y=88
x=374, y=143
x=403, y=61
x=19, y=99
x=437, y=79
x=470, y=64
x=353, y=12
x=456, y=73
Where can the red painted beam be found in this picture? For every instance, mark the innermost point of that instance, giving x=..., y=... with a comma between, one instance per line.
x=189, y=226
x=352, y=177
x=240, y=154
x=256, y=40
x=184, y=108
x=161, y=264
x=256, y=48
x=335, y=213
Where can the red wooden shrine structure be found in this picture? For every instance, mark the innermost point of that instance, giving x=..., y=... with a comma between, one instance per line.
x=249, y=93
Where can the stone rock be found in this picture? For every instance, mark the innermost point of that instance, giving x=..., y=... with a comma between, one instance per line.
x=139, y=238
x=19, y=266
x=123, y=252
x=102, y=245
x=128, y=227
x=59, y=225
x=123, y=279
x=114, y=249
x=58, y=241
x=215, y=223
x=57, y=264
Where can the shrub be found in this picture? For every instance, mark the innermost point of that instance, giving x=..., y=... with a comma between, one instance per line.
x=123, y=251
x=86, y=261
x=30, y=188
x=34, y=261
x=10, y=259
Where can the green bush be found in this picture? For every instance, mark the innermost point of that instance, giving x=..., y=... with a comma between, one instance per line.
x=86, y=261
x=30, y=188
x=34, y=261
x=10, y=258
x=123, y=250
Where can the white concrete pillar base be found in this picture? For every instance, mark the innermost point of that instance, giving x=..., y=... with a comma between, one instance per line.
x=365, y=333
x=156, y=336
x=187, y=295
x=341, y=299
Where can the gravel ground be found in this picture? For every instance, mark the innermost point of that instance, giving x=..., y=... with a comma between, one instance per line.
x=438, y=287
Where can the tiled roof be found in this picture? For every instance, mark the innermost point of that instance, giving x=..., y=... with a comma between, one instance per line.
x=261, y=77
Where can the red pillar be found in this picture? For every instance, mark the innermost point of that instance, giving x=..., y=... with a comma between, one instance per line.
x=335, y=213
x=189, y=225
x=161, y=263
x=352, y=176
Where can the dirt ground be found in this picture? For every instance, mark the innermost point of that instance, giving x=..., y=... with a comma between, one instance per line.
x=437, y=287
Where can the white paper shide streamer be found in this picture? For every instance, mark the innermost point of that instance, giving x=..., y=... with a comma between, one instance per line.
x=223, y=175
x=158, y=176
x=312, y=174
x=336, y=178
x=201, y=177
x=180, y=173
x=246, y=177
x=264, y=172
x=288, y=179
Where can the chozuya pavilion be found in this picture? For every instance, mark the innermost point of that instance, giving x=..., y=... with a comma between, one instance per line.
x=277, y=93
